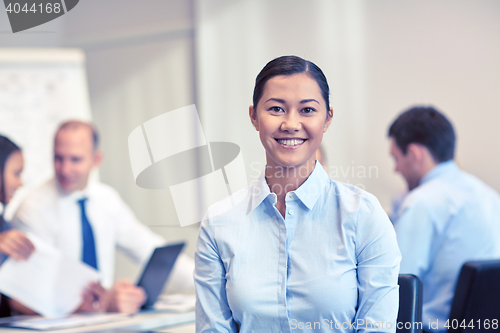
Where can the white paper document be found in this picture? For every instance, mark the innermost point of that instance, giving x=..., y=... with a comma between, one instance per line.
x=75, y=320
x=176, y=303
x=47, y=282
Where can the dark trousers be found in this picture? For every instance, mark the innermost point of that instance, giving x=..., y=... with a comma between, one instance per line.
x=4, y=306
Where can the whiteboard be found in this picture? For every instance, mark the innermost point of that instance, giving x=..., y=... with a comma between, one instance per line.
x=39, y=89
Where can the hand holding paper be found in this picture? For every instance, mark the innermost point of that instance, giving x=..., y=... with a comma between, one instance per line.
x=95, y=298
x=15, y=244
x=47, y=282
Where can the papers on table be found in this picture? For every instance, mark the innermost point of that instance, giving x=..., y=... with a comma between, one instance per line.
x=75, y=320
x=158, y=320
x=47, y=282
x=175, y=303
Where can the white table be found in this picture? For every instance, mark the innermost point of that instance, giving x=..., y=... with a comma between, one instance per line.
x=189, y=328
x=145, y=321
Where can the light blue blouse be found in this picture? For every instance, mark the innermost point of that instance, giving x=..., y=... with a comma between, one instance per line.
x=331, y=264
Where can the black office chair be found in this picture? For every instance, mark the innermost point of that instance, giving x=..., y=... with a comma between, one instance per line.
x=477, y=298
x=410, y=304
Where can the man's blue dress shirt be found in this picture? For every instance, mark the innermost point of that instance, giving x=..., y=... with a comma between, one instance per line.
x=331, y=262
x=451, y=217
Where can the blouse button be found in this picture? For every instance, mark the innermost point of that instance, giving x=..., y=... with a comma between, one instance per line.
x=290, y=212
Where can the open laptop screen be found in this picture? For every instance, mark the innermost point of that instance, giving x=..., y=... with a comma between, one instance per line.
x=157, y=270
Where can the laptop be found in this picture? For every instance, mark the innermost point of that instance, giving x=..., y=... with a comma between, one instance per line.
x=157, y=270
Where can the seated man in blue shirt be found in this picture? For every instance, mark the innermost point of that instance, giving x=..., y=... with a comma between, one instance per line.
x=448, y=216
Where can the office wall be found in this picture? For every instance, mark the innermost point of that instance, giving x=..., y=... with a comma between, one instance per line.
x=443, y=53
x=236, y=39
x=139, y=59
x=47, y=35
x=380, y=57
x=139, y=65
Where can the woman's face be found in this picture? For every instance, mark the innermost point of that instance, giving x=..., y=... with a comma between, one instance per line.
x=291, y=118
x=12, y=174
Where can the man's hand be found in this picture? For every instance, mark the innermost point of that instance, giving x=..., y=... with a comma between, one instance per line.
x=16, y=245
x=126, y=297
x=95, y=298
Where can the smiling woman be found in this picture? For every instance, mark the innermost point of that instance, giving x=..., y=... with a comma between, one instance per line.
x=291, y=117
x=296, y=246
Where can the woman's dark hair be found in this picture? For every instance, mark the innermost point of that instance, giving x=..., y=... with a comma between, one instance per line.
x=289, y=65
x=7, y=147
x=427, y=126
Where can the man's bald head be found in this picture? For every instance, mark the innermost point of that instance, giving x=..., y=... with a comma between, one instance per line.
x=75, y=154
x=74, y=125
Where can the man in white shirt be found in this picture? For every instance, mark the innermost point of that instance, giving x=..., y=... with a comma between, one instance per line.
x=87, y=221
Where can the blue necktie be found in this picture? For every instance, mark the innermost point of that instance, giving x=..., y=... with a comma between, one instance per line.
x=88, y=253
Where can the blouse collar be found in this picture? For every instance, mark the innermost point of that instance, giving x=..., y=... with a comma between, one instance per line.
x=308, y=192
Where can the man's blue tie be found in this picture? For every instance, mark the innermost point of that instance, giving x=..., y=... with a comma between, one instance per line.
x=88, y=253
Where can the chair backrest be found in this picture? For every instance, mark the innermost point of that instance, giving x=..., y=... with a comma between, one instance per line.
x=477, y=298
x=410, y=304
